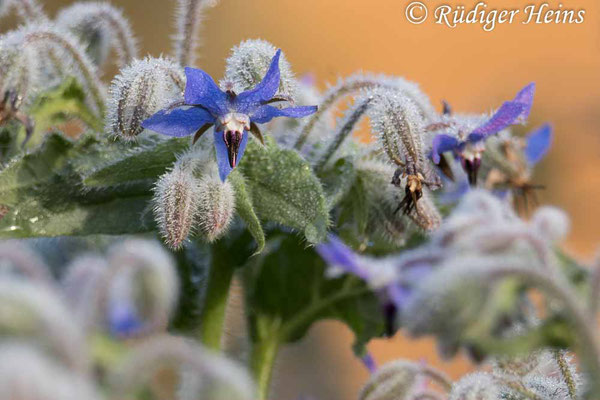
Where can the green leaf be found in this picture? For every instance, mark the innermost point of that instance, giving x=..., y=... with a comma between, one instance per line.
x=245, y=209
x=285, y=190
x=41, y=194
x=147, y=159
x=60, y=104
x=288, y=285
x=338, y=180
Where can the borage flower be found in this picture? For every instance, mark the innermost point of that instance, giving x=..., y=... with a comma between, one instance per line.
x=467, y=144
x=392, y=278
x=233, y=115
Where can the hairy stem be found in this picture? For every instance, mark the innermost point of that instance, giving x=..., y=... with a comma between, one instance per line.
x=346, y=129
x=263, y=356
x=565, y=371
x=331, y=98
x=215, y=303
x=91, y=80
x=189, y=17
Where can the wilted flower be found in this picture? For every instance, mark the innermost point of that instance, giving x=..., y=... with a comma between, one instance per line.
x=233, y=115
x=466, y=141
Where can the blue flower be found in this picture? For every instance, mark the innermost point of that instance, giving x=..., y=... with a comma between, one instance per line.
x=233, y=115
x=538, y=142
x=468, y=146
x=393, y=278
x=123, y=319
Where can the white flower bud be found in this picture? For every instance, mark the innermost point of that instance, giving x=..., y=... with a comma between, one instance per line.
x=215, y=206
x=248, y=64
x=551, y=224
x=25, y=373
x=176, y=198
x=476, y=386
x=141, y=89
x=100, y=27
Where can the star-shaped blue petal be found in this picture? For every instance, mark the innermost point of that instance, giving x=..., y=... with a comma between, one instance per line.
x=538, y=144
x=232, y=114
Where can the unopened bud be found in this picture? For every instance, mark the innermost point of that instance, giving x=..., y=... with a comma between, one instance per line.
x=176, y=196
x=551, y=224
x=248, y=64
x=140, y=90
x=216, y=205
x=476, y=386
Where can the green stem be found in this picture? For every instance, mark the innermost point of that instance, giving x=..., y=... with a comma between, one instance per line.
x=264, y=353
x=215, y=303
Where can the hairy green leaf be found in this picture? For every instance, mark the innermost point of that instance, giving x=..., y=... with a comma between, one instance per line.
x=41, y=194
x=285, y=190
x=245, y=209
x=289, y=285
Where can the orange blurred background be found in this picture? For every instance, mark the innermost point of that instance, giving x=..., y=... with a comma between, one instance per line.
x=472, y=69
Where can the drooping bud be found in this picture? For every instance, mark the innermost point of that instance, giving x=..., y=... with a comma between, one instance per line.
x=189, y=16
x=398, y=124
x=176, y=196
x=248, y=64
x=55, y=54
x=215, y=206
x=476, y=386
x=551, y=223
x=394, y=380
x=357, y=82
x=140, y=90
x=140, y=288
x=100, y=27
x=214, y=377
x=36, y=313
x=26, y=373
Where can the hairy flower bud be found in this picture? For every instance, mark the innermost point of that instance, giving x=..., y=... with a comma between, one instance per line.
x=140, y=90
x=140, y=288
x=176, y=196
x=214, y=377
x=476, y=386
x=28, y=10
x=248, y=64
x=551, y=223
x=100, y=27
x=25, y=373
x=215, y=206
x=18, y=257
x=53, y=54
x=393, y=381
x=396, y=120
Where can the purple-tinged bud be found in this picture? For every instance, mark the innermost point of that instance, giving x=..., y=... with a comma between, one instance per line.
x=100, y=27
x=140, y=90
x=140, y=288
x=176, y=198
x=215, y=206
x=248, y=64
